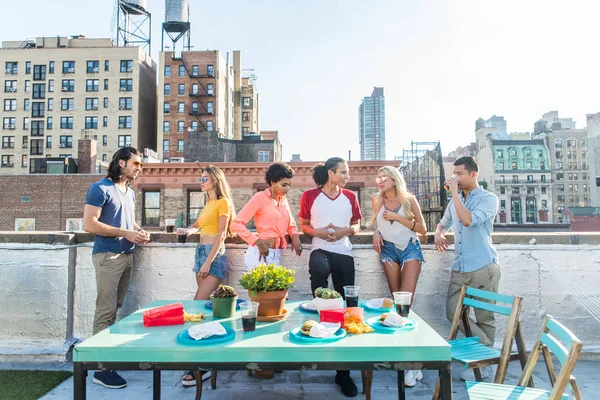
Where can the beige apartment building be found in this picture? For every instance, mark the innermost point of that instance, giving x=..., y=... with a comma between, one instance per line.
x=58, y=90
x=202, y=94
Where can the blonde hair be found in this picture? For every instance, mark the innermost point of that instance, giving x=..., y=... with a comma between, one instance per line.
x=401, y=193
x=222, y=190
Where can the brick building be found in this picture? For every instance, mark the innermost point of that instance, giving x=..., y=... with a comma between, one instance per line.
x=583, y=219
x=210, y=147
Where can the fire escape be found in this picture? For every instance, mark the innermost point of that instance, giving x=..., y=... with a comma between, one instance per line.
x=201, y=93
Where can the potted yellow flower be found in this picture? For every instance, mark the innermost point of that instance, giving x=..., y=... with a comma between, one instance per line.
x=268, y=285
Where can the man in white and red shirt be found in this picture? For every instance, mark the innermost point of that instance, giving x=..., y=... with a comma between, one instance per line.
x=330, y=214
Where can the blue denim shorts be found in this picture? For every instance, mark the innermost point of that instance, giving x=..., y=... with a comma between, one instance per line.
x=218, y=267
x=390, y=252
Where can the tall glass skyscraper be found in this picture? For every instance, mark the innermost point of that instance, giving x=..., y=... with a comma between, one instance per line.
x=371, y=126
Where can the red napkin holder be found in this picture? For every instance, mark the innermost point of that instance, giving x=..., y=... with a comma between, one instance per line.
x=171, y=314
x=334, y=315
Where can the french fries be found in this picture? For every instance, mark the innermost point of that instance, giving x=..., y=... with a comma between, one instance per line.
x=354, y=325
x=193, y=317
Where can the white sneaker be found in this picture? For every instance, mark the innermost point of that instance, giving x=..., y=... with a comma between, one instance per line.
x=418, y=374
x=469, y=375
x=409, y=378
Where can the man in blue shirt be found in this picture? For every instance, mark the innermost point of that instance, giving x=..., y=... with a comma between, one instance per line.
x=471, y=213
x=110, y=214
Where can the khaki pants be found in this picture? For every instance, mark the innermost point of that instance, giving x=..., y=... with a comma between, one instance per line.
x=486, y=278
x=113, y=272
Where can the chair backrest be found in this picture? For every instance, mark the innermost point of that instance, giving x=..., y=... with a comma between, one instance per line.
x=556, y=339
x=509, y=306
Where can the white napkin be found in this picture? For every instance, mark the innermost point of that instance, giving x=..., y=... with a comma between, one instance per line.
x=375, y=303
x=327, y=304
x=324, y=330
x=203, y=331
x=394, y=320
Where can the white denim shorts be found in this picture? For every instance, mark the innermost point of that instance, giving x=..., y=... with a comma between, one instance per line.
x=252, y=257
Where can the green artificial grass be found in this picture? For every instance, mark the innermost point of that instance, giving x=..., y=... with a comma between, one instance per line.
x=25, y=385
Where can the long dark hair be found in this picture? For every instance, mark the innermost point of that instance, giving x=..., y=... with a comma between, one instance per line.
x=115, y=172
x=320, y=171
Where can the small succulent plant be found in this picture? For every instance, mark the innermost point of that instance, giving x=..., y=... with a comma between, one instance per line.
x=223, y=292
x=325, y=293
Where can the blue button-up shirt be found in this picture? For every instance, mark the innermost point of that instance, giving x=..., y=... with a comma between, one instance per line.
x=473, y=244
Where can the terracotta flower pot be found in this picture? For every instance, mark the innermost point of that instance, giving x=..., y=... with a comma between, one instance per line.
x=223, y=307
x=270, y=303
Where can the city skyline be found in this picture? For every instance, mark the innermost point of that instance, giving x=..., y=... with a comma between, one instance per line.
x=442, y=65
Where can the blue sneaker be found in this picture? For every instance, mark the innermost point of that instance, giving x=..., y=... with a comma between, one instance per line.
x=109, y=379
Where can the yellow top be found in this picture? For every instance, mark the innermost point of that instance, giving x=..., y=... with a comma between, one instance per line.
x=208, y=220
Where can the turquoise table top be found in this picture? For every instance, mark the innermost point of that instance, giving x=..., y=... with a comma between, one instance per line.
x=129, y=341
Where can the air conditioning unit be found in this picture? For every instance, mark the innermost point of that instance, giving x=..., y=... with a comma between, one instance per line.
x=94, y=107
x=121, y=126
x=62, y=145
x=71, y=70
x=10, y=165
x=12, y=89
x=24, y=145
x=129, y=70
x=9, y=71
x=11, y=127
x=64, y=89
x=123, y=89
x=121, y=108
x=95, y=70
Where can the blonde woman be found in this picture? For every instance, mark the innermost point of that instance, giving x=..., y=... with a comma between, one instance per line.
x=210, y=264
x=398, y=218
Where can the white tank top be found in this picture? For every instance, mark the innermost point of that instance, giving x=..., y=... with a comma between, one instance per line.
x=394, y=231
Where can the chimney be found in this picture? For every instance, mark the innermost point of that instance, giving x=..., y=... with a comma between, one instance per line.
x=86, y=155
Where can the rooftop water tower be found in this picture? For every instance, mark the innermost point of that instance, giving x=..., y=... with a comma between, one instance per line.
x=177, y=23
x=133, y=24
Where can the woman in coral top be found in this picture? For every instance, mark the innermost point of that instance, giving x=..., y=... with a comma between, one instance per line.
x=272, y=218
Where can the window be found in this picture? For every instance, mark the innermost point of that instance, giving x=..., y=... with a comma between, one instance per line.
x=125, y=85
x=570, y=198
x=570, y=176
x=92, y=67
x=10, y=104
x=8, y=142
x=529, y=165
x=560, y=187
x=124, y=140
x=209, y=107
x=559, y=176
x=558, y=154
x=529, y=178
x=68, y=85
x=195, y=70
x=181, y=89
x=49, y=123
x=559, y=165
x=38, y=109
x=560, y=198
x=26, y=104
x=167, y=71
x=527, y=152
x=37, y=128
x=48, y=142
x=558, y=143
x=50, y=104
x=180, y=145
x=125, y=122
x=561, y=209
x=210, y=89
x=194, y=89
x=10, y=86
x=585, y=187
x=585, y=198
x=543, y=178
x=66, y=141
x=9, y=123
x=126, y=66
x=67, y=104
x=195, y=125
x=167, y=108
x=180, y=126
x=501, y=164
x=105, y=102
x=151, y=208
x=12, y=67
x=543, y=189
x=27, y=86
x=91, y=85
x=165, y=145
x=531, y=204
x=106, y=65
x=167, y=89
x=166, y=126
x=584, y=176
x=181, y=70
x=246, y=117
x=513, y=152
x=28, y=67
x=104, y=140
x=8, y=161
x=24, y=160
x=37, y=147
x=125, y=103
x=246, y=101
x=540, y=153
x=24, y=224
x=194, y=108
x=515, y=190
x=66, y=122
x=68, y=67
x=502, y=204
x=51, y=67
x=263, y=156
x=531, y=190
x=74, y=224
x=91, y=103
x=39, y=72
x=575, y=176
x=245, y=129
x=104, y=157
x=106, y=84
x=181, y=108
x=209, y=126
x=91, y=122
x=195, y=203
x=26, y=123
x=210, y=70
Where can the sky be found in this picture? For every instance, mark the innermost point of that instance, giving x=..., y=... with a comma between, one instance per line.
x=442, y=63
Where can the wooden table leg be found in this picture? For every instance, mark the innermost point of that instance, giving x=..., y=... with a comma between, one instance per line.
x=446, y=381
x=368, y=384
x=198, y=376
x=363, y=379
x=401, y=393
x=79, y=381
x=156, y=384
x=213, y=379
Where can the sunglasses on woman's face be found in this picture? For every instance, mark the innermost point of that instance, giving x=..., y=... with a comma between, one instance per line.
x=204, y=179
x=382, y=179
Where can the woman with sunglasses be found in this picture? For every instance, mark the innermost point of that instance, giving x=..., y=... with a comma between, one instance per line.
x=398, y=218
x=210, y=264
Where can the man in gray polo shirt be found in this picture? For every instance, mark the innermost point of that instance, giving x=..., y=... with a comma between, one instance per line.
x=471, y=214
x=110, y=214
